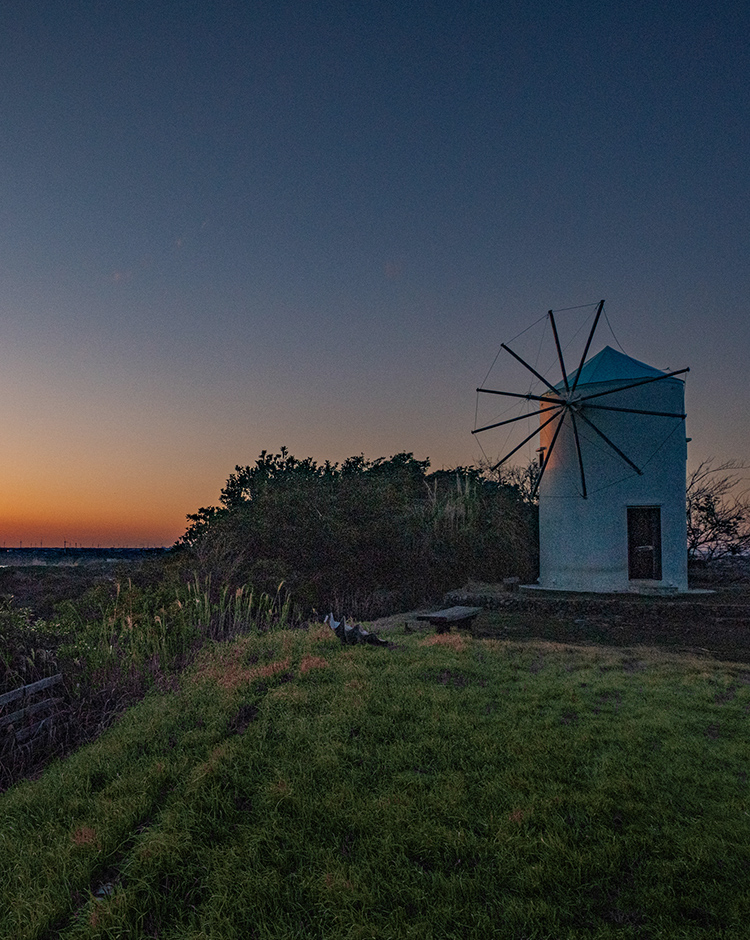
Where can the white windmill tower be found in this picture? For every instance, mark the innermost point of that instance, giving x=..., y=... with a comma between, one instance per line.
x=612, y=473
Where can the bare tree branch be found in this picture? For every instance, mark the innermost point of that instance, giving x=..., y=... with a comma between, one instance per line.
x=718, y=512
x=521, y=478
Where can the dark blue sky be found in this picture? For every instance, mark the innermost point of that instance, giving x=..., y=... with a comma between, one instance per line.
x=228, y=226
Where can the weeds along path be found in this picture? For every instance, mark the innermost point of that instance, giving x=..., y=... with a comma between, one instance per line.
x=444, y=787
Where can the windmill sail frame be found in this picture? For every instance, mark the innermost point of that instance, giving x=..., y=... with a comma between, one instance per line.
x=571, y=406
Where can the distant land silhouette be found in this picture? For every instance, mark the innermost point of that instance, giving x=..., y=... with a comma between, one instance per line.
x=74, y=556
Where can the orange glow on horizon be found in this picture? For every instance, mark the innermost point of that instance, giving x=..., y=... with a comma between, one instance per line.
x=88, y=526
x=26, y=534
x=90, y=512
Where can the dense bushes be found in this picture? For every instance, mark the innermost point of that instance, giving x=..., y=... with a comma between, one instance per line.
x=363, y=539
x=364, y=536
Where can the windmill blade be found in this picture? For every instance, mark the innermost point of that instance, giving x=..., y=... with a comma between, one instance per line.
x=580, y=454
x=614, y=447
x=588, y=343
x=637, y=411
x=549, y=454
x=529, y=397
x=499, y=424
x=559, y=350
x=527, y=439
x=624, y=388
x=530, y=368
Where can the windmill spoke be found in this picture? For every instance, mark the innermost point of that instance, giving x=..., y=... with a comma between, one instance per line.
x=580, y=454
x=623, y=388
x=492, y=391
x=588, y=343
x=559, y=350
x=527, y=439
x=614, y=447
x=556, y=403
x=499, y=424
x=637, y=411
x=548, y=455
x=530, y=368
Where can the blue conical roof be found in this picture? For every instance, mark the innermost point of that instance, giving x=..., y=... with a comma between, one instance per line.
x=609, y=365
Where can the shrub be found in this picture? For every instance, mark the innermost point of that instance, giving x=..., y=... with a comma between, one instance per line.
x=369, y=535
x=26, y=647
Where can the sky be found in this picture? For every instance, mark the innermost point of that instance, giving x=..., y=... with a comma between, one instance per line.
x=228, y=226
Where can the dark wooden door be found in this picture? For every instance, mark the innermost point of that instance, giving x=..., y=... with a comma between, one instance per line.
x=644, y=543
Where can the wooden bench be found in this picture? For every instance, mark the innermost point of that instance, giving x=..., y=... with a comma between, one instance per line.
x=443, y=620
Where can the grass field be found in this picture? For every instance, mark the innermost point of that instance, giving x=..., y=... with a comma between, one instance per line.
x=446, y=787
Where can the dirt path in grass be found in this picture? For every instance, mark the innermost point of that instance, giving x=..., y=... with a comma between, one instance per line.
x=399, y=621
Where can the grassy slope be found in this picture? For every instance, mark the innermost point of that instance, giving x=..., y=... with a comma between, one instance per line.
x=445, y=788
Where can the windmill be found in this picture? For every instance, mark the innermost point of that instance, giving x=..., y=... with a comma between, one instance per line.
x=611, y=480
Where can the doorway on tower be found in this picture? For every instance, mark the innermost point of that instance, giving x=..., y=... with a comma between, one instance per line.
x=644, y=543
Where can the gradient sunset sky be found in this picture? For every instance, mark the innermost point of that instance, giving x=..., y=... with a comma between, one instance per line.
x=227, y=226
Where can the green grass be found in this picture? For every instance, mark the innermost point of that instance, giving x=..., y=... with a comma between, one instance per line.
x=450, y=787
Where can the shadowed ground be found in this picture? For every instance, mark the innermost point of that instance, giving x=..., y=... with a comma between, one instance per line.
x=715, y=625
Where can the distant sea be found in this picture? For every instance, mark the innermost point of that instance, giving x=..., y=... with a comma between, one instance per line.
x=14, y=557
